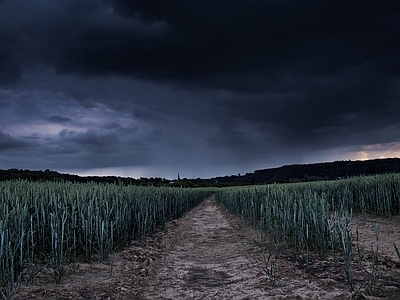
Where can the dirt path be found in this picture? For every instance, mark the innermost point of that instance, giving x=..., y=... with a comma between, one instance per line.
x=213, y=256
x=209, y=254
x=211, y=259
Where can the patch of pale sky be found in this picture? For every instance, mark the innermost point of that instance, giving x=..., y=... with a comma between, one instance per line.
x=38, y=129
x=134, y=172
x=379, y=151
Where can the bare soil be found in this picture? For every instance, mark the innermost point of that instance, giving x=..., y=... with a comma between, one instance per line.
x=210, y=254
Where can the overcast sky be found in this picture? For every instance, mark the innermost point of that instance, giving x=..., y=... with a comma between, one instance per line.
x=204, y=88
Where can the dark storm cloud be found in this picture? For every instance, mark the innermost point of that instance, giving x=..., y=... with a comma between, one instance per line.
x=202, y=40
x=58, y=119
x=197, y=84
x=7, y=142
x=205, y=39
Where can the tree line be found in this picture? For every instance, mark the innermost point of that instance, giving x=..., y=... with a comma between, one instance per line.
x=285, y=174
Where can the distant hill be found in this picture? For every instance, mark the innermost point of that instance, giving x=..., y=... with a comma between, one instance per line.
x=56, y=176
x=284, y=174
x=313, y=172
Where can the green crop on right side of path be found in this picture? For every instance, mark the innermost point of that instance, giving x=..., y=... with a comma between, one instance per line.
x=313, y=215
x=317, y=216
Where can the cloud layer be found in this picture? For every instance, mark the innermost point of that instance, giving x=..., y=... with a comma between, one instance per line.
x=153, y=88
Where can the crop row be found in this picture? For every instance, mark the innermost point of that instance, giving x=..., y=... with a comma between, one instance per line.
x=311, y=214
x=317, y=216
x=53, y=223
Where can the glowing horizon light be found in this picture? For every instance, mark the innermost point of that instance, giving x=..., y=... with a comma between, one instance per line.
x=380, y=151
x=133, y=172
